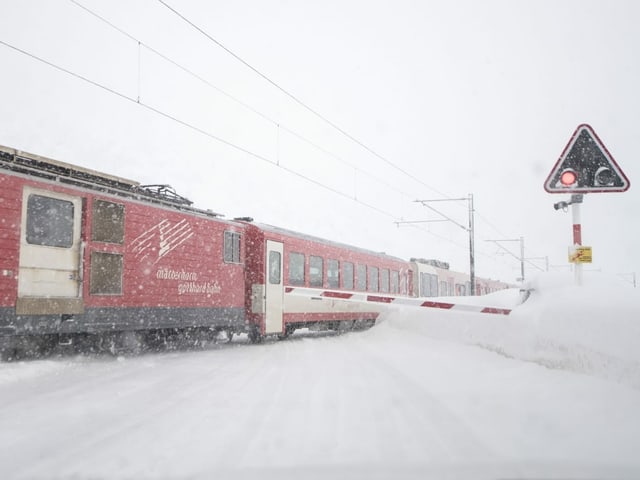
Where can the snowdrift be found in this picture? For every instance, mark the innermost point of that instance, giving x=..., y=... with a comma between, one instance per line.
x=592, y=329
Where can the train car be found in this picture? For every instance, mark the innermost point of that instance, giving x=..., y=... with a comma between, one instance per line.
x=93, y=258
x=435, y=279
x=90, y=257
x=87, y=253
x=428, y=278
x=296, y=280
x=485, y=286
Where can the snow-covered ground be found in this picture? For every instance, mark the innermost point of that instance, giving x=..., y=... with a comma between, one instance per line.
x=550, y=391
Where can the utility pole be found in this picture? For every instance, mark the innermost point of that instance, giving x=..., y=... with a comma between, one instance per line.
x=469, y=229
x=472, y=251
x=521, y=258
x=632, y=275
x=546, y=262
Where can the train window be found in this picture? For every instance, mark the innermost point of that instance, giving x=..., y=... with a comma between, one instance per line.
x=49, y=221
x=106, y=274
x=395, y=276
x=315, y=271
x=361, y=277
x=333, y=273
x=231, y=247
x=384, y=280
x=347, y=275
x=373, y=279
x=296, y=268
x=274, y=268
x=108, y=222
x=424, y=285
x=433, y=279
x=460, y=290
x=428, y=285
x=443, y=289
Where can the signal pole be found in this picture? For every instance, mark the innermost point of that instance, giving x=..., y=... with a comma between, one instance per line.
x=585, y=166
x=577, y=234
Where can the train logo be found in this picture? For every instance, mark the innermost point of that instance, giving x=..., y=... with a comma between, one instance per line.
x=163, y=238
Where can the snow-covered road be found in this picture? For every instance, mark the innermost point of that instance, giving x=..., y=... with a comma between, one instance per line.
x=390, y=402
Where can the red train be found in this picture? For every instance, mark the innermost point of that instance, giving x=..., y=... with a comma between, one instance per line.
x=90, y=257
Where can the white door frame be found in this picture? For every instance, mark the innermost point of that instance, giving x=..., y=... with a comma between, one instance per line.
x=274, y=287
x=50, y=277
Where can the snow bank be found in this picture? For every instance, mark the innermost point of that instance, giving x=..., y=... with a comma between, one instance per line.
x=592, y=329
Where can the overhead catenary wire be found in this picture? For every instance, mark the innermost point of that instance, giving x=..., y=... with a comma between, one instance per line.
x=207, y=133
x=312, y=110
x=279, y=126
x=300, y=102
x=276, y=123
x=139, y=102
x=186, y=124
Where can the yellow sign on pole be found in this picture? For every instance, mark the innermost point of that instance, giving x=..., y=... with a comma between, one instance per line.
x=580, y=254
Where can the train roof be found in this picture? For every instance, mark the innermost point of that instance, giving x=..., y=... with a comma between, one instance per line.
x=324, y=241
x=61, y=172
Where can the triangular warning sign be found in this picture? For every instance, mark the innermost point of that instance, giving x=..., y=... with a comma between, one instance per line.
x=586, y=166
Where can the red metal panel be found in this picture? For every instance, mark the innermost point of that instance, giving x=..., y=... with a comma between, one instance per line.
x=443, y=305
x=577, y=234
x=343, y=295
x=379, y=299
x=328, y=316
x=254, y=261
x=10, y=211
x=500, y=311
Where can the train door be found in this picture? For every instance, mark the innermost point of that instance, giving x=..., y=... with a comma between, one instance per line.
x=49, y=280
x=411, y=289
x=274, y=287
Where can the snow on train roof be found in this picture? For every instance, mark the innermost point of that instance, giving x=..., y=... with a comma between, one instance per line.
x=324, y=241
x=50, y=169
x=63, y=166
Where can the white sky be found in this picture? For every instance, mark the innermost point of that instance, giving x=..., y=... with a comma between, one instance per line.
x=467, y=96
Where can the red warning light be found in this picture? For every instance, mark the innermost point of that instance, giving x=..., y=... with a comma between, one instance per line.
x=568, y=178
